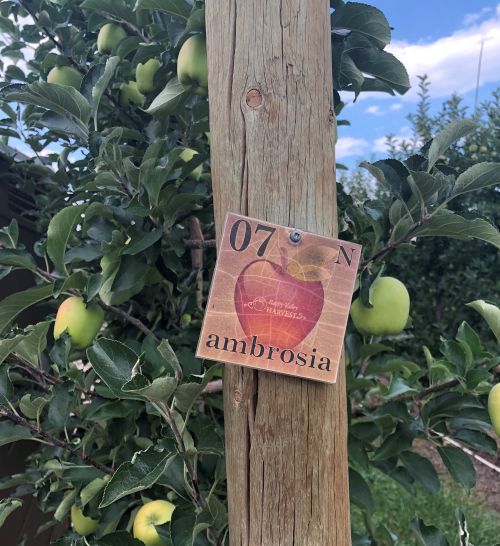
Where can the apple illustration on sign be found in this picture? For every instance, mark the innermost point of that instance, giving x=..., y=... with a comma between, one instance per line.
x=282, y=303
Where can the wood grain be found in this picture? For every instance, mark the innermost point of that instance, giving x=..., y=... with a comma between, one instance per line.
x=270, y=92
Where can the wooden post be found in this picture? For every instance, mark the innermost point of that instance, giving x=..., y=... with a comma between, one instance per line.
x=271, y=122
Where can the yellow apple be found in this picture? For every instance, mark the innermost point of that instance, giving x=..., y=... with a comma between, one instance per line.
x=153, y=513
x=109, y=37
x=192, y=65
x=82, y=524
x=186, y=155
x=145, y=75
x=80, y=321
x=65, y=75
x=391, y=307
x=494, y=407
x=129, y=94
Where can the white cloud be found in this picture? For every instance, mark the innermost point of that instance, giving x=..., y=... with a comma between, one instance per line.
x=451, y=61
x=471, y=18
x=375, y=110
x=395, y=107
x=350, y=146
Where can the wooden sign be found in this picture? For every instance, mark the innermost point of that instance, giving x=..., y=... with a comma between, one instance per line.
x=279, y=299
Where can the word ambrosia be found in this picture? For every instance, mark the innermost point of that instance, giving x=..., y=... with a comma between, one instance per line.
x=258, y=350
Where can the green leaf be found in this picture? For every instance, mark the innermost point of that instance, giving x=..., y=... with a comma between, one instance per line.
x=169, y=99
x=159, y=391
x=93, y=489
x=459, y=466
x=60, y=99
x=383, y=66
x=365, y=19
x=400, y=440
x=7, y=506
x=65, y=505
x=113, y=362
x=119, y=10
x=12, y=305
x=142, y=241
x=123, y=279
x=10, y=234
x=399, y=386
x=448, y=136
x=61, y=228
x=166, y=351
x=428, y=534
x=477, y=440
x=490, y=313
x=101, y=85
x=140, y=473
x=17, y=258
x=448, y=224
x=187, y=393
x=32, y=407
x=60, y=405
x=481, y=175
x=9, y=432
x=421, y=469
x=34, y=342
x=177, y=8
x=6, y=388
x=120, y=538
x=359, y=491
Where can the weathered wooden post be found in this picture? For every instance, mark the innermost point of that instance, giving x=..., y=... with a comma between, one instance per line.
x=271, y=116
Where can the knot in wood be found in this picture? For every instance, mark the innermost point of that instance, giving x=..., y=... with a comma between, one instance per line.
x=237, y=396
x=254, y=98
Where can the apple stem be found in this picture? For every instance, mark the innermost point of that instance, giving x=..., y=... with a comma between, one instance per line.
x=284, y=258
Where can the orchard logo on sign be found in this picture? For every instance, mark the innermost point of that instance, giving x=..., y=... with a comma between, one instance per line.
x=279, y=299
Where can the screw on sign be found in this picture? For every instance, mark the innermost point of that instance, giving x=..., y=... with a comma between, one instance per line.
x=279, y=299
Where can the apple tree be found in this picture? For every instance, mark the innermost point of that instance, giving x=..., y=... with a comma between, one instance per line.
x=105, y=132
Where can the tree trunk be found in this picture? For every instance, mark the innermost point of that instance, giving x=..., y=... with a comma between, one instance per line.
x=271, y=105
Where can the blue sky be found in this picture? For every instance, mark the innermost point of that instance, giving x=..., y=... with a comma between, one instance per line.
x=440, y=38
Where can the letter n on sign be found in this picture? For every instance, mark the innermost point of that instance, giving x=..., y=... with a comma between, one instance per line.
x=279, y=299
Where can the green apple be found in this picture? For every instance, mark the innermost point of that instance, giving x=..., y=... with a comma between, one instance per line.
x=483, y=149
x=186, y=155
x=391, y=307
x=185, y=320
x=129, y=94
x=192, y=65
x=80, y=321
x=473, y=148
x=145, y=75
x=109, y=37
x=65, y=75
x=494, y=153
x=82, y=524
x=494, y=407
x=153, y=513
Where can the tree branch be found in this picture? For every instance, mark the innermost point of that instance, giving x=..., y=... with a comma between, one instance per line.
x=129, y=318
x=198, y=497
x=200, y=243
x=357, y=409
x=39, y=374
x=389, y=247
x=53, y=441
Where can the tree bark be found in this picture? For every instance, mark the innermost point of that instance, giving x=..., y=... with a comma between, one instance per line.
x=271, y=122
